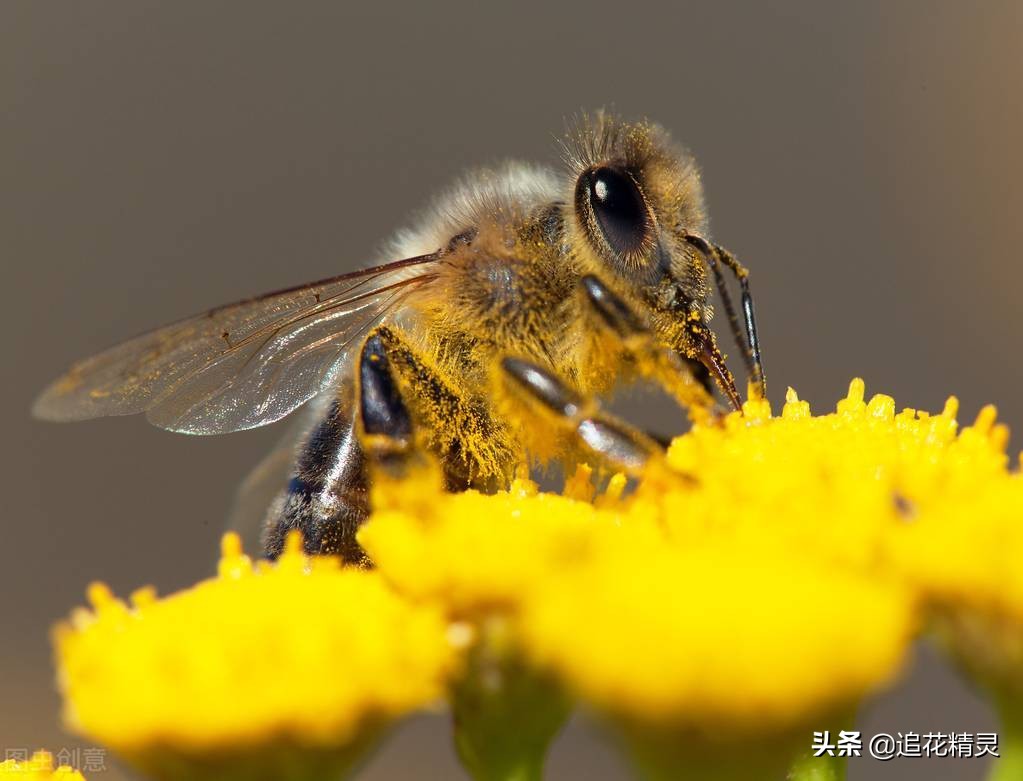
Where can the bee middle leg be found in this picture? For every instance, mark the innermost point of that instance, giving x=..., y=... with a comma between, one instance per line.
x=610, y=440
x=387, y=435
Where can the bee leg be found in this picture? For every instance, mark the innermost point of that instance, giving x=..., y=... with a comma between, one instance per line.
x=367, y=434
x=414, y=406
x=611, y=440
x=715, y=256
x=386, y=426
x=670, y=370
x=328, y=496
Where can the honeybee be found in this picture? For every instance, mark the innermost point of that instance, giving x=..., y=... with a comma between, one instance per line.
x=522, y=297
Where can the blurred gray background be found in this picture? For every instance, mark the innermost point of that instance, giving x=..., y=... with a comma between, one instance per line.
x=156, y=159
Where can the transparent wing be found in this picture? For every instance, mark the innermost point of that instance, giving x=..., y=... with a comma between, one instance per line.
x=238, y=366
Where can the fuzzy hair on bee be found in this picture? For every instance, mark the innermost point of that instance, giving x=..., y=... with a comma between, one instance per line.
x=483, y=343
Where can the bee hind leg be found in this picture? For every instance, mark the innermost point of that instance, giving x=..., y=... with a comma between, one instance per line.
x=414, y=409
x=599, y=434
x=386, y=435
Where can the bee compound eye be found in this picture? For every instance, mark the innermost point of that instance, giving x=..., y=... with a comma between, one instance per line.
x=619, y=208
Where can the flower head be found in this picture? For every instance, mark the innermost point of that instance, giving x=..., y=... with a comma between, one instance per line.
x=299, y=654
x=476, y=554
x=831, y=486
x=964, y=558
x=716, y=639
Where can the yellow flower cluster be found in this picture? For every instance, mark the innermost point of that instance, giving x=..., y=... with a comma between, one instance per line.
x=831, y=486
x=301, y=653
x=39, y=767
x=717, y=571
x=965, y=558
x=474, y=553
x=759, y=582
x=771, y=576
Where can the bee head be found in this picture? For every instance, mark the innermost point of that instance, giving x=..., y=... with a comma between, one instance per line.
x=637, y=197
x=638, y=212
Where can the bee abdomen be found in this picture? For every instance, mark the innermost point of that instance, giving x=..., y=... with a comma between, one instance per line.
x=326, y=498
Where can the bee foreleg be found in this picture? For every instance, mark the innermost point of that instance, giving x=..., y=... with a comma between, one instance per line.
x=666, y=367
x=714, y=255
x=609, y=439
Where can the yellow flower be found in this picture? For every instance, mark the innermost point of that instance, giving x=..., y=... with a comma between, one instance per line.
x=749, y=588
x=965, y=557
x=966, y=553
x=758, y=583
x=266, y=663
x=475, y=554
x=716, y=639
x=716, y=662
x=831, y=486
x=38, y=768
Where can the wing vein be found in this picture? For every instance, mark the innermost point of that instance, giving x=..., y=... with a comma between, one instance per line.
x=242, y=365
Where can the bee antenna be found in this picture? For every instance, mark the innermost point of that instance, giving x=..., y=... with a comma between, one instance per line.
x=749, y=344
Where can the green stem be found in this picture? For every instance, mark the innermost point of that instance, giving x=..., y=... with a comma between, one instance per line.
x=1009, y=765
x=824, y=768
x=660, y=754
x=505, y=716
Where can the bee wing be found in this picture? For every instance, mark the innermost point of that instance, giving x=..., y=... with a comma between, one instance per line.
x=238, y=366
